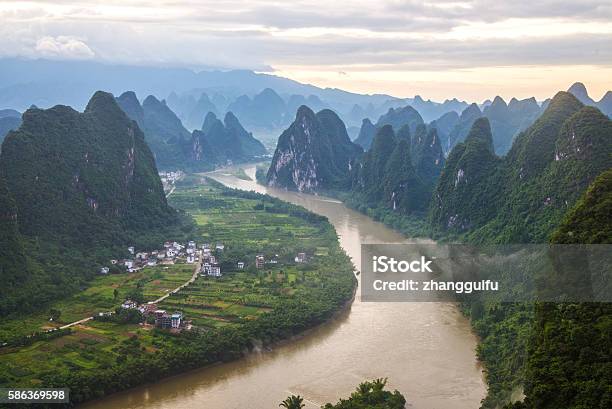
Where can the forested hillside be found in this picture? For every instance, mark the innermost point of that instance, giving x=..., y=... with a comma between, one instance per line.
x=81, y=187
x=569, y=364
x=523, y=198
x=528, y=191
x=174, y=147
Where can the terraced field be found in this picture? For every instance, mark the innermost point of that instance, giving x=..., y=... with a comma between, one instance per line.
x=273, y=302
x=246, y=229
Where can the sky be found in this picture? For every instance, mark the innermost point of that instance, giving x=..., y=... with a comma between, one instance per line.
x=473, y=49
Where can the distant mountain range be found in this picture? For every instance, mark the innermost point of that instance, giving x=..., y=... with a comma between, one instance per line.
x=264, y=104
x=604, y=104
x=396, y=117
x=507, y=120
x=175, y=147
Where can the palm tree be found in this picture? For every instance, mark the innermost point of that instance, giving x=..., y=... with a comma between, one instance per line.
x=379, y=384
x=293, y=402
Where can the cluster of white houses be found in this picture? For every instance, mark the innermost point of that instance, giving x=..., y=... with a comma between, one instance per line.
x=169, y=254
x=169, y=178
x=190, y=253
x=210, y=264
x=162, y=318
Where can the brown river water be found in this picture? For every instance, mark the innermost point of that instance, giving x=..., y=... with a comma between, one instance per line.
x=426, y=350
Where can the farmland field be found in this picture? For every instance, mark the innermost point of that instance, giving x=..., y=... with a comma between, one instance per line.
x=274, y=301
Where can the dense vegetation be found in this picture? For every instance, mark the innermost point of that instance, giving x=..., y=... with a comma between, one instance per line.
x=369, y=395
x=386, y=176
x=460, y=201
x=230, y=314
x=569, y=363
x=521, y=198
x=80, y=188
x=393, y=181
x=533, y=186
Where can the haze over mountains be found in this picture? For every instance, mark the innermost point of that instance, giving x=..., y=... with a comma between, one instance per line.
x=177, y=148
x=9, y=120
x=262, y=103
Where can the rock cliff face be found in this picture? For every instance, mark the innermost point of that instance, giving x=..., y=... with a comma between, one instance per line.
x=427, y=155
x=314, y=153
x=461, y=194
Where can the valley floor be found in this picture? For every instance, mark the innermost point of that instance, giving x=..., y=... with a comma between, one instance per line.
x=289, y=295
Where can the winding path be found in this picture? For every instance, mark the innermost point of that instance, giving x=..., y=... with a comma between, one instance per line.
x=180, y=287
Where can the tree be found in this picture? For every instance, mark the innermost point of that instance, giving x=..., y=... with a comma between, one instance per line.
x=293, y=402
x=371, y=394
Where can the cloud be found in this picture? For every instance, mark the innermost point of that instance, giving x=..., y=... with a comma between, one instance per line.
x=316, y=35
x=64, y=47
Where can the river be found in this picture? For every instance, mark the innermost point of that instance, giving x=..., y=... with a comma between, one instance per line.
x=426, y=350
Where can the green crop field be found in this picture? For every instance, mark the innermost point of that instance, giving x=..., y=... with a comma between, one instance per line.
x=247, y=225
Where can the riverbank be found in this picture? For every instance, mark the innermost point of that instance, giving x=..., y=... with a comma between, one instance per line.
x=425, y=349
x=247, y=308
x=503, y=329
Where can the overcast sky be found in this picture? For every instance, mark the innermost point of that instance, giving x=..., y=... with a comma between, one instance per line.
x=438, y=49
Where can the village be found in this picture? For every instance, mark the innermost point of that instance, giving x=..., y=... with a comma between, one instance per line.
x=169, y=179
x=206, y=260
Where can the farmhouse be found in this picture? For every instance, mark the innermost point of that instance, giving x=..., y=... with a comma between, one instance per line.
x=166, y=321
x=176, y=319
x=129, y=304
x=260, y=261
